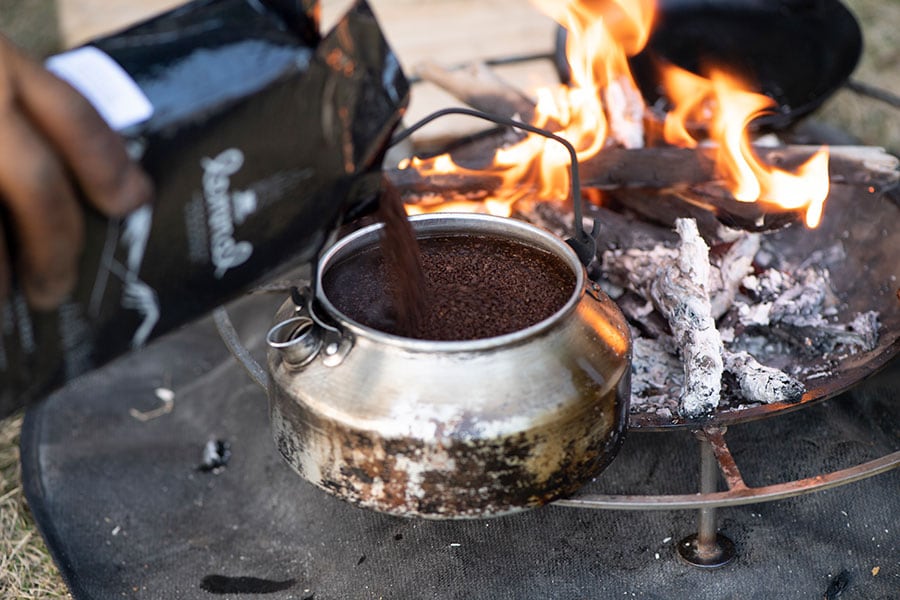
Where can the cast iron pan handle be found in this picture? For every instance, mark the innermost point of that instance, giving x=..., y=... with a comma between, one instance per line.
x=583, y=243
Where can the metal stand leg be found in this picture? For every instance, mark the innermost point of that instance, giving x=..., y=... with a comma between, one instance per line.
x=707, y=548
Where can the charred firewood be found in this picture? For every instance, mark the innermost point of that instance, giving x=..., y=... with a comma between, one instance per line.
x=716, y=224
x=615, y=230
x=479, y=87
x=641, y=314
x=747, y=216
x=734, y=265
x=817, y=336
x=655, y=377
x=625, y=231
x=759, y=383
x=662, y=168
x=796, y=308
x=555, y=217
x=624, y=107
x=679, y=293
x=635, y=269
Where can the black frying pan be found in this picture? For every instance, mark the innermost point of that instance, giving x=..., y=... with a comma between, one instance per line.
x=799, y=52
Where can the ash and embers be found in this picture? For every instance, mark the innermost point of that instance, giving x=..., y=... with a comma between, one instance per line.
x=718, y=328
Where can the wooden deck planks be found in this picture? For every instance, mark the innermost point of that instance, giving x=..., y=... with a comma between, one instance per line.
x=450, y=32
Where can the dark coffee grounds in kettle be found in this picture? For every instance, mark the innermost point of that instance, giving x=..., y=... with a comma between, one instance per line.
x=475, y=287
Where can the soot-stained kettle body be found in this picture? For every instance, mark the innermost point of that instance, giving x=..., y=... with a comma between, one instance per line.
x=451, y=429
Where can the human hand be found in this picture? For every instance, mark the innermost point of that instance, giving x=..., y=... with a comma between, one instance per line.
x=53, y=145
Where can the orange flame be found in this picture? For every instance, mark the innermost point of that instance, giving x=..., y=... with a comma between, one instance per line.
x=724, y=104
x=601, y=101
x=603, y=106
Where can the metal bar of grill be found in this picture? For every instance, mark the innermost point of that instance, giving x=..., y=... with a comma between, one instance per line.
x=735, y=497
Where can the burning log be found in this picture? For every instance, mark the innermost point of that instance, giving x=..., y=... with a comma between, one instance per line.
x=624, y=107
x=660, y=168
x=717, y=213
x=679, y=293
x=479, y=87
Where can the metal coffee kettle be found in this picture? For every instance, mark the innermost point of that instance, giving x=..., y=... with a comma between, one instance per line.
x=449, y=429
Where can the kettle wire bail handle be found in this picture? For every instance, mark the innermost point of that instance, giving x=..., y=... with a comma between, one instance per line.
x=583, y=243
x=236, y=347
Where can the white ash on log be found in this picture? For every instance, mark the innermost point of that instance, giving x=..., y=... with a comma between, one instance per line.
x=772, y=313
x=796, y=308
x=679, y=293
x=759, y=383
x=734, y=266
x=656, y=378
x=636, y=268
x=624, y=108
x=684, y=287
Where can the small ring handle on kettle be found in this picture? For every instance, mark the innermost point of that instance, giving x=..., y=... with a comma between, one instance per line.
x=300, y=339
x=295, y=337
x=297, y=340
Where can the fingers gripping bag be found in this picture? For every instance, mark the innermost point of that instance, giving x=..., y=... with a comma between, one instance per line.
x=261, y=138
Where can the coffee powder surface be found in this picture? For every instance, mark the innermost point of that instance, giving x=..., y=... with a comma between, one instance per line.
x=475, y=287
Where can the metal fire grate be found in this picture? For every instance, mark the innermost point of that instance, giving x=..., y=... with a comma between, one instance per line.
x=707, y=548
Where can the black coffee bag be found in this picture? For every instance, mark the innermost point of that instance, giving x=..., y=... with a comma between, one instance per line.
x=260, y=139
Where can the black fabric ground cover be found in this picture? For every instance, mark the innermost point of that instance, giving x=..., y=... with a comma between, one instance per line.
x=127, y=510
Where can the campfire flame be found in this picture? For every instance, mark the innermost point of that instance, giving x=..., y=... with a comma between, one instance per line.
x=602, y=100
x=602, y=106
x=723, y=103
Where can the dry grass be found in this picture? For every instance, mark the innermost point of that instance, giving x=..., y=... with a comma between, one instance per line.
x=26, y=570
x=32, y=24
x=873, y=122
